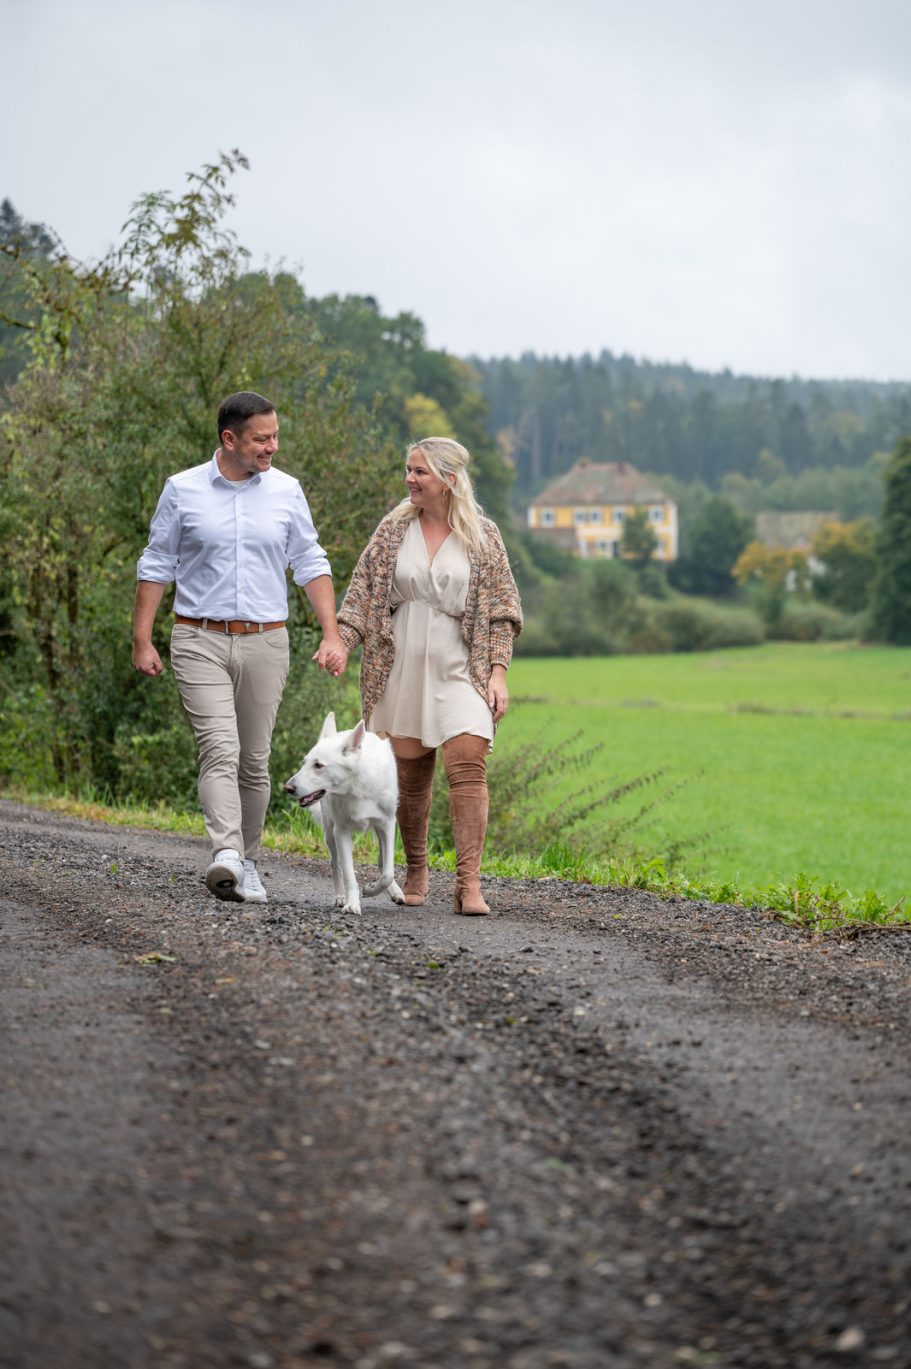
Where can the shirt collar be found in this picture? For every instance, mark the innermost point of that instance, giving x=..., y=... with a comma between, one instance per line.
x=215, y=474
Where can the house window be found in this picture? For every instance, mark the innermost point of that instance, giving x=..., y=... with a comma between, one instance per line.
x=656, y=515
x=546, y=518
x=619, y=515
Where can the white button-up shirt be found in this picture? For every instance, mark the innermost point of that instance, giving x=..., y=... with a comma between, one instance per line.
x=228, y=543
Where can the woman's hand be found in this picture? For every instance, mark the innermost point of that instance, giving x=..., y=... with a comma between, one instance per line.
x=497, y=693
x=332, y=655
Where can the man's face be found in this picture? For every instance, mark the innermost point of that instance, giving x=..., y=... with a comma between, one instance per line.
x=250, y=451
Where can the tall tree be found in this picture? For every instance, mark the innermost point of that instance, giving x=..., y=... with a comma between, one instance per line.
x=846, y=556
x=638, y=541
x=890, y=618
x=20, y=242
x=128, y=362
x=714, y=541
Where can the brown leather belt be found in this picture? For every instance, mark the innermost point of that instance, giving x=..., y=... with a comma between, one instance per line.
x=235, y=627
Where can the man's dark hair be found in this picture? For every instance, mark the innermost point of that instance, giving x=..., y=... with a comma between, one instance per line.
x=235, y=411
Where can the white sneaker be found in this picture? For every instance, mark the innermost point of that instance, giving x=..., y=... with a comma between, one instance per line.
x=225, y=876
x=253, y=885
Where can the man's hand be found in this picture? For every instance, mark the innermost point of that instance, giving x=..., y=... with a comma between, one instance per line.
x=148, y=597
x=332, y=655
x=146, y=659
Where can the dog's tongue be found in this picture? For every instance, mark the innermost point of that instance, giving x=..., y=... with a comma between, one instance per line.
x=306, y=801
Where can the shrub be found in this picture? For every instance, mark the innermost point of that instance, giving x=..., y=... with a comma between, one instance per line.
x=158, y=766
x=576, y=617
x=536, y=640
x=809, y=622
x=652, y=579
x=26, y=717
x=693, y=626
x=649, y=638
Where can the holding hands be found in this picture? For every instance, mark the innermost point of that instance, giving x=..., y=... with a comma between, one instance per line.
x=332, y=655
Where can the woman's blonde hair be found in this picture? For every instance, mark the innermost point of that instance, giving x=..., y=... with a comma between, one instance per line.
x=448, y=461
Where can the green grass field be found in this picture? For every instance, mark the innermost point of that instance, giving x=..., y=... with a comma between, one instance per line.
x=796, y=758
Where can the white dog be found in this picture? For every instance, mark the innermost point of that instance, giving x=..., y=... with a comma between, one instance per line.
x=348, y=782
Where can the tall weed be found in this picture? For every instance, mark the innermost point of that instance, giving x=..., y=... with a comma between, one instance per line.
x=532, y=812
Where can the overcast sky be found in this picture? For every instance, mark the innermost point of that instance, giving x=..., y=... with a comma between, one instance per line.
x=709, y=181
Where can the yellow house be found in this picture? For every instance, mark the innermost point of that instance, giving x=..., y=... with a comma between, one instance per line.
x=585, y=508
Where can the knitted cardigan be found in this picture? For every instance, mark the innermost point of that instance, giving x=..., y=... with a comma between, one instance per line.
x=492, y=618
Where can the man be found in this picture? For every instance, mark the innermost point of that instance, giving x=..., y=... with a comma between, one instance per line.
x=226, y=531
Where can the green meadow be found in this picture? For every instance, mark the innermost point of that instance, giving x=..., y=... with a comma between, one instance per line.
x=792, y=759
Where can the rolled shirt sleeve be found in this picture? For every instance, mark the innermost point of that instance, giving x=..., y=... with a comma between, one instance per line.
x=305, y=555
x=159, y=560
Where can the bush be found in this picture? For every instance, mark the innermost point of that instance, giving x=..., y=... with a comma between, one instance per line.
x=591, y=612
x=26, y=717
x=649, y=639
x=652, y=580
x=692, y=626
x=579, y=616
x=806, y=622
x=157, y=767
x=536, y=640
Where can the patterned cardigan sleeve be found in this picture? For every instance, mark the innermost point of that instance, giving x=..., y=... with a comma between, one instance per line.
x=505, y=609
x=354, y=614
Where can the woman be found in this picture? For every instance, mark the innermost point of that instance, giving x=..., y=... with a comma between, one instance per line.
x=435, y=604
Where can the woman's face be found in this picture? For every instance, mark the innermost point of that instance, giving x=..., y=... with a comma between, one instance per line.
x=427, y=490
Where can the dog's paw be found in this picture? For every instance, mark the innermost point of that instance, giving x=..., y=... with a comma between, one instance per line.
x=338, y=901
x=352, y=907
x=376, y=886
x=395, y=893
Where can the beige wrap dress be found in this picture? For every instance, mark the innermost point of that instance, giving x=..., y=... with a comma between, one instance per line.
x=429, y=693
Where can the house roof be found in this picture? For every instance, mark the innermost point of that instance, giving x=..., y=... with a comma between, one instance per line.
x=606, y=482
x=790, y=531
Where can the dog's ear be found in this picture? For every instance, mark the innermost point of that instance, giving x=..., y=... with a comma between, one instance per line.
x=357, y=736
x=329, y=728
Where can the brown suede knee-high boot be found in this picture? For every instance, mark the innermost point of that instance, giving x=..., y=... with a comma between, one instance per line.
x=415, y=791
x=465, y=760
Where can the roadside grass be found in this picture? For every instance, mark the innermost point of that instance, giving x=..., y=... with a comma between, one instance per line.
x=808, y=903
x=792, y=757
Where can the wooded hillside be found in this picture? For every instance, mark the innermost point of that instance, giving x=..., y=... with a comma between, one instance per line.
x=719, y=429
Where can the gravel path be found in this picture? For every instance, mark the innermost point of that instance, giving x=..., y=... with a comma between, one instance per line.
x=596, y=1129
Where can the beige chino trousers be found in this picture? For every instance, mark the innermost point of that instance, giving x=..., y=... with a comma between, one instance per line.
x=231, y=688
